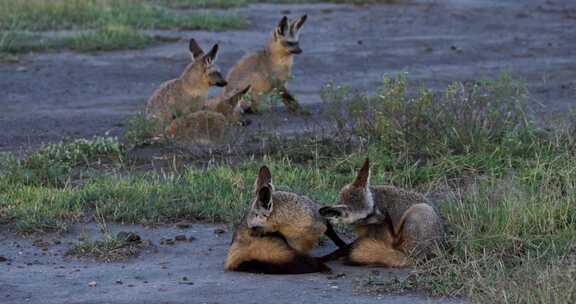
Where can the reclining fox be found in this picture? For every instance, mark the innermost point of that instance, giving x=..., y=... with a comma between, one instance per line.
x=277, y=233
x=393, y=225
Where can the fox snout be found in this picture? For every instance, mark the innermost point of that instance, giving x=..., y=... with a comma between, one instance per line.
x=296, y=50
x=217, y=79
x=293, y=47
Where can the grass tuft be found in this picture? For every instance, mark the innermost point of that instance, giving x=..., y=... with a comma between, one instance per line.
x=111, y=248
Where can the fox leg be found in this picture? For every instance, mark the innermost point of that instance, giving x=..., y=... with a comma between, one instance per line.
x=420, y=231
x=330, y=233
x=337, y=254
x=290, y=102
x=375, y=252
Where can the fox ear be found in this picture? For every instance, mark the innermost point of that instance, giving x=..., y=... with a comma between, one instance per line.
x=265, y=198
x=264, y=179
x=211, y=56
x=363, y=176
x=233, y=101
x=282, y=27
x=195, y=49
x=297, y=24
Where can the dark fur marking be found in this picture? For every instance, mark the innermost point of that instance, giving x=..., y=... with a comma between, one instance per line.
x=330, y=233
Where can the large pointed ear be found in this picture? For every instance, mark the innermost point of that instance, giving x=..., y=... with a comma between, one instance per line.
x=265, y=198
x=195, y=49
x=233, y=101
x=282, y=27
x=296, y=24
x=264, y=179
x=363, y=177
x=211, y=56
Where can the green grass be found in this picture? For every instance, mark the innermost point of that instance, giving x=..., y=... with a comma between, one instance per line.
x=108, y=39
x=187, y=4
x=97, y=24
x=509, y=187
x=42, y=15
x=139, y=131
x=105, y=39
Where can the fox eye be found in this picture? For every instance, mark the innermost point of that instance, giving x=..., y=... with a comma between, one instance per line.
x=289, y=43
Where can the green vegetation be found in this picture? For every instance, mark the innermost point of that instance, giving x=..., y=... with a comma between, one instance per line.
x=506, y=186
x=110, y=248
x=139, y=131
x=96, y=24
x=187, y=4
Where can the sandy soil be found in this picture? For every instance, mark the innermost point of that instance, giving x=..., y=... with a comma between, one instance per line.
x=48, y=97
x=187, y=272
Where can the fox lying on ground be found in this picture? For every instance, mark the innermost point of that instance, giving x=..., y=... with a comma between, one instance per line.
x=393, y=225
x=206, y=126
x=277, y=233
x=267, y=71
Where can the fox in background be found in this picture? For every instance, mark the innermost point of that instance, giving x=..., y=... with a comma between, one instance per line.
x=267, y=71
x=178, y=105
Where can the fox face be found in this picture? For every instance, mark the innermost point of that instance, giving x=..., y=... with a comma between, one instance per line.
x=203, y=70
x=262, y=204
x=285, y=37
x=355, y=202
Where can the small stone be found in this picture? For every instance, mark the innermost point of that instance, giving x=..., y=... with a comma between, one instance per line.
x=191, y=238
x=129, y=237
x=183, y=225
x=92, y=284
x=119, y=282
x=184, y=278
x=336, y=276
x=180, y=238
x=167, y=242
x=57, y=242
x=219, y=231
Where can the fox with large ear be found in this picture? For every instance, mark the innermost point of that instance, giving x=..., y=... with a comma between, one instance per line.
x=393, y=225
x=267, y=71
x=277, y=233
x=187, y=93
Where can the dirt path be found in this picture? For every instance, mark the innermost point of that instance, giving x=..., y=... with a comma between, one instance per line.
x=51, y=96
x=187, y=272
